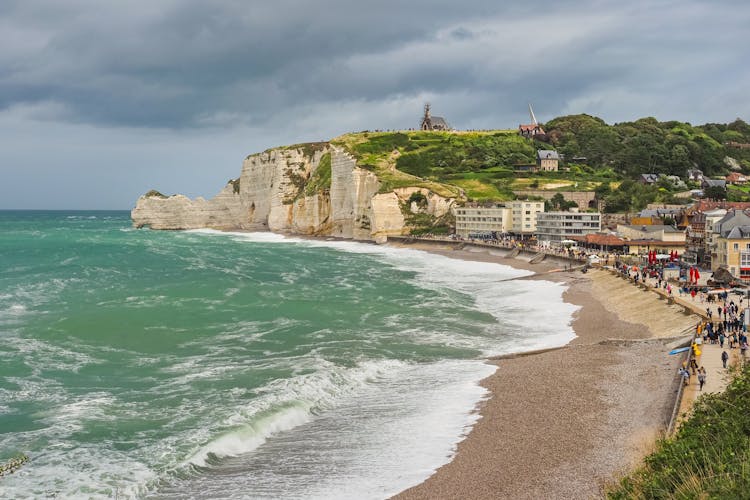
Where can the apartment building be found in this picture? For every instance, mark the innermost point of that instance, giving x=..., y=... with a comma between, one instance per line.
x=476, y=220
x=524, y=213
x=554, y=227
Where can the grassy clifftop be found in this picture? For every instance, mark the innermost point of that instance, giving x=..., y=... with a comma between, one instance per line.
x=477, y=163
x=483, y=165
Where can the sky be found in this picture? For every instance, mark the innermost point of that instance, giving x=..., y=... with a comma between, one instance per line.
x=101, y=101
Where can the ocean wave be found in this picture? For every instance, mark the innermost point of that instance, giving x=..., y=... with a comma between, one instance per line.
x=250, y=436
x=284, y=404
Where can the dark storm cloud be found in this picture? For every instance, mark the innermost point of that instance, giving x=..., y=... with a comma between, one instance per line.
x=183, y=64
x=101, y=101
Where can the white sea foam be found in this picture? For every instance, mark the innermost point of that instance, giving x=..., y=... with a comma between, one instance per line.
x=16, y=309
x=391, y=432
x=533, y=309
x=248, y=437
x=286, y=403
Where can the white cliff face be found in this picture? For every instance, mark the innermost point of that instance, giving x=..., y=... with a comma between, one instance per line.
x=312, y=214
x=352, y=189
x=387, y=219
x=272, y=182
x=270, y=195
x=180, y=212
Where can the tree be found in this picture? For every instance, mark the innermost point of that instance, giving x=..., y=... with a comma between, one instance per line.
x=715, y=193
x=558, y=202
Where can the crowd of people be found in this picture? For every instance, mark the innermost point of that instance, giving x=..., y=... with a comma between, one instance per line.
x=723, y=323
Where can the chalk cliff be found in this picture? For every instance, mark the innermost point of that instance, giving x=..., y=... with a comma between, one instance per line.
x=312, y=189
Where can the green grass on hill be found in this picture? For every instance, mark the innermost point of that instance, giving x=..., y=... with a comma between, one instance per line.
x=320, y=180
x=476, y=162
x=709, y=457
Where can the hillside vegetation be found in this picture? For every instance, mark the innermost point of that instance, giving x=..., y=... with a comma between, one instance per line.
x=482, y=166
x=650, y=146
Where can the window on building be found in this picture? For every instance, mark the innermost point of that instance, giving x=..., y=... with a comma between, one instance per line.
x=745, y=260
x=736, y=247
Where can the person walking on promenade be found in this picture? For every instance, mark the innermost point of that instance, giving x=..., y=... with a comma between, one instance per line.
x=721, y=340
x=685, y=374
x=724, y=358
x=701, y=378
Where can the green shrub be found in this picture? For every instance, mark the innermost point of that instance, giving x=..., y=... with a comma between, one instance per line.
x=320, y=180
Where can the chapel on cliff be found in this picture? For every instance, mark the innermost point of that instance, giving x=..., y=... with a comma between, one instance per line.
x=430, y=122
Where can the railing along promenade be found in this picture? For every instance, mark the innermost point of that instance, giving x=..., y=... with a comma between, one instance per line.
x=689, y=306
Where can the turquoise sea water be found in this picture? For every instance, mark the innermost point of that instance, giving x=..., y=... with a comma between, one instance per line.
x=137, y=363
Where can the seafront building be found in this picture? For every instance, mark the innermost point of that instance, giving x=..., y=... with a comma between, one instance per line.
x=524, y=213
x=733, y=252
x=731, y=234
x=552, y=228
x=482, y=220
x=710, y=236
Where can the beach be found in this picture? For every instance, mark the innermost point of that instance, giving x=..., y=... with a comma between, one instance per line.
x=564, y=422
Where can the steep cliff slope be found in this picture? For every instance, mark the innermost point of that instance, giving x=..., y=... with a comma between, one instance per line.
x=313, y=189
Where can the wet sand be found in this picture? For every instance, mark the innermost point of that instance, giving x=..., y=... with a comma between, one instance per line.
x=562, y=423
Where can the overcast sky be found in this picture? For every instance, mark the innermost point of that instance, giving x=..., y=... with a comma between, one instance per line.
x=101, y=101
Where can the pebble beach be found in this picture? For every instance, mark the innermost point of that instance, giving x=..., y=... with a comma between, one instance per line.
x=563, y=423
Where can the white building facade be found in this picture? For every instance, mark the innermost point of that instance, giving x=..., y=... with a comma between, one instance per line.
x=482, y=220
x=517, y=217
x=524, y=213
x=552, y=228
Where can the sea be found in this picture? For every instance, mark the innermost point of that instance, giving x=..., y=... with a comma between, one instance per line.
x=204, y=364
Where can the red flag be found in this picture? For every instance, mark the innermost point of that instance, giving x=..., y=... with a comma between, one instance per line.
x=692, y=274
x=697, y=275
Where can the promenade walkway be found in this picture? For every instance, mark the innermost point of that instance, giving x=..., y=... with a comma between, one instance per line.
x=717, y=377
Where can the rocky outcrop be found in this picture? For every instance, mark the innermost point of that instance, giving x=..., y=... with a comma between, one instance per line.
x=272, y=193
